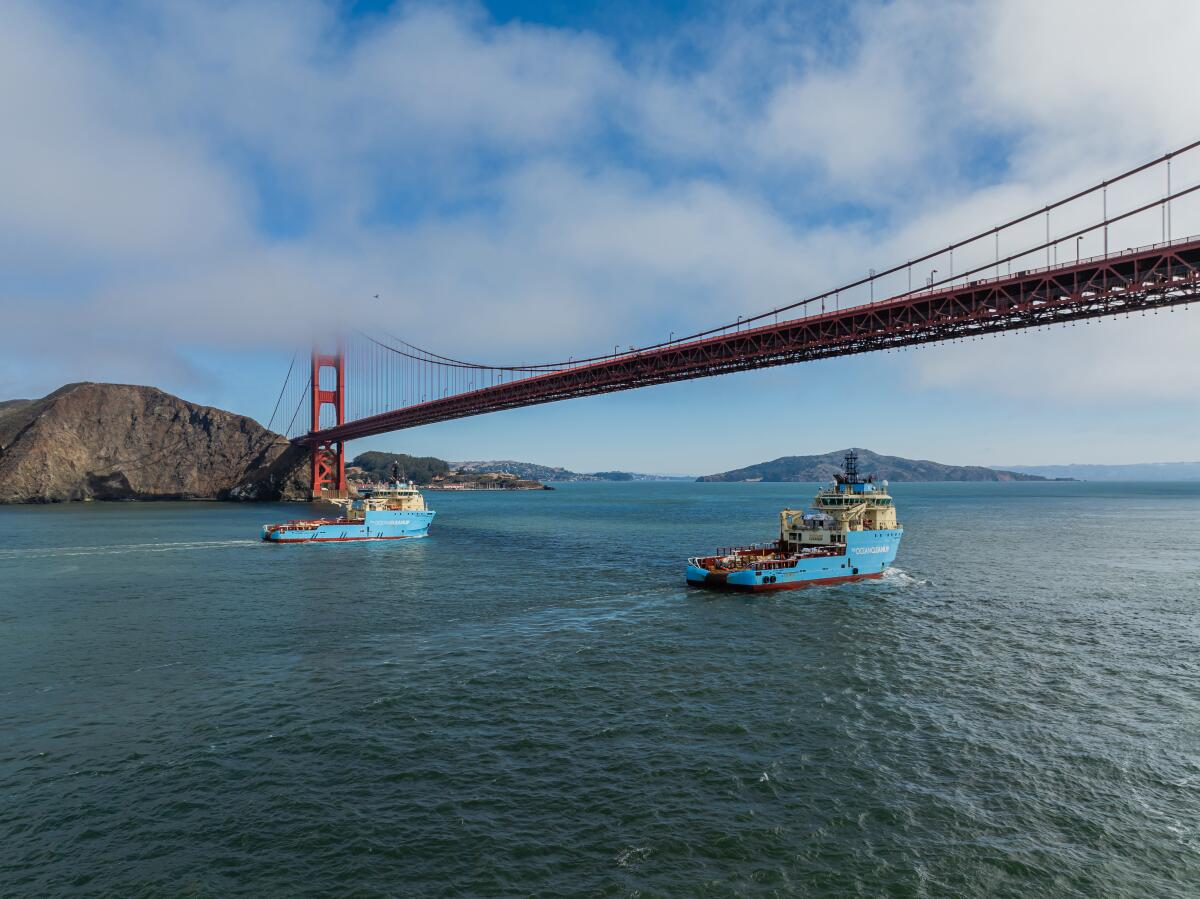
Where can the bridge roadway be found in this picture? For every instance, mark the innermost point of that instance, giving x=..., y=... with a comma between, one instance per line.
x=1147, y=278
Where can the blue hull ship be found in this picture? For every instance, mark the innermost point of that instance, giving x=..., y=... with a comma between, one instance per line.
x=393, y=512
x=850, y=534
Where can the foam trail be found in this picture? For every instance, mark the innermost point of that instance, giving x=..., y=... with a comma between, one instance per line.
x=46, y=552
x=898, y=577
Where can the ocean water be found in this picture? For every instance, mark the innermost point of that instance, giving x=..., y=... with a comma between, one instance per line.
x=530, y=702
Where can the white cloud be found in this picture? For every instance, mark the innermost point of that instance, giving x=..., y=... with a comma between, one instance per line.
x=857, y=125
x=412, y=101
x=85, y=176
x=602, y=197
x=1090, y=76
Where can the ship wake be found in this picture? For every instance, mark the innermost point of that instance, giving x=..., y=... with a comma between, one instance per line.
x=901, y=579
x=49, y=552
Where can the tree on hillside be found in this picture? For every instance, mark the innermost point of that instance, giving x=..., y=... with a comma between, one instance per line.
x=421, y=469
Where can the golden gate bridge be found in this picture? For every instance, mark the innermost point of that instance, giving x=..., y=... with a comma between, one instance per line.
x=373, y=383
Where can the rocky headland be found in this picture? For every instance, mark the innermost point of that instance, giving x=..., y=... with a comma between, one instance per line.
x=93, y=441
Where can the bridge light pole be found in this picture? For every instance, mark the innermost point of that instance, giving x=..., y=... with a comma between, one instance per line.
x=931, y=274
x=1104, y=216
x=1047, y=237
x=1167, y=205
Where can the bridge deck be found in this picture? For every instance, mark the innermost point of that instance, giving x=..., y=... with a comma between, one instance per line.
x=1146, y=278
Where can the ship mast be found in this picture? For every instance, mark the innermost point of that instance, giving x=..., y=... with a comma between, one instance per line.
x=849, y=473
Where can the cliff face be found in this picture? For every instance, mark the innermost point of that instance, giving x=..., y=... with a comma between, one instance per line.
x=115, y=442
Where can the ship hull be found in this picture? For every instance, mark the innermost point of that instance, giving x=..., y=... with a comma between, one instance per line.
x=314, y=538
x=716, y=582
x=377, y=526
x=867, y=555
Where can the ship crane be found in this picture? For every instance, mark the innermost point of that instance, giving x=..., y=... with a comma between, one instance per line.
x=844, y=516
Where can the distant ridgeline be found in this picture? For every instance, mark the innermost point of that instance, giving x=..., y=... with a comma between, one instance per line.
x=1144, y=471
x=892, y=468
x=424, y=469
x=544, y=473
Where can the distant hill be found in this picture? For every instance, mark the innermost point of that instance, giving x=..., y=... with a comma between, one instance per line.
x=1146, y=471
x=533, y=472
x=527, y=470
x=12, y=405
x=421, y=469
x=892, y=468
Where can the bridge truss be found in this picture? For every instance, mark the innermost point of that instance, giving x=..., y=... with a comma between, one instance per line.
x=375, y=384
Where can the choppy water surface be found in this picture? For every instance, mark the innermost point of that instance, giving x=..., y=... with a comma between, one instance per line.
x=531, y=702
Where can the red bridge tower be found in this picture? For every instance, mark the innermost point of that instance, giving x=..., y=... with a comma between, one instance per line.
x=328, y=456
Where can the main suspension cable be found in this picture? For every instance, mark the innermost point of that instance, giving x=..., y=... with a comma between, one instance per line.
x=279, y=400
x=543, y=367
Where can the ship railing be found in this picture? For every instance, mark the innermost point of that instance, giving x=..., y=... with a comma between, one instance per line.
x=749, y=548
x=299, y=524
x=775, y=565
x=730, y=561
x=728, y=558
x=793, y=558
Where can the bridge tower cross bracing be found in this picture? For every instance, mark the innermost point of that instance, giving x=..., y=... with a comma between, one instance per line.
x=328, y=457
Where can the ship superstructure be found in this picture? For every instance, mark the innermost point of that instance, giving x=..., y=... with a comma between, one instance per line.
x=849, y=534
x=394, y=511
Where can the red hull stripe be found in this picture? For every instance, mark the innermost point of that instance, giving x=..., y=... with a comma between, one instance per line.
x=789, y=585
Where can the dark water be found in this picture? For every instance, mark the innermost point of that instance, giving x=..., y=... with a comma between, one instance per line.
x=529, y=702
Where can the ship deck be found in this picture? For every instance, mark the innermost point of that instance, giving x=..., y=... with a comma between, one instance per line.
x=311, y=524
x=761, y=557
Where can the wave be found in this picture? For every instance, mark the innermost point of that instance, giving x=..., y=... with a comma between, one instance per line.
x=898, y=577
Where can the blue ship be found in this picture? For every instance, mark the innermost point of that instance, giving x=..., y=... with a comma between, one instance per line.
x=850, y=534
x=393, y=512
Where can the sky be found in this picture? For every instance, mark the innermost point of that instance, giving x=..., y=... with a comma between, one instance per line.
x=189, y=191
